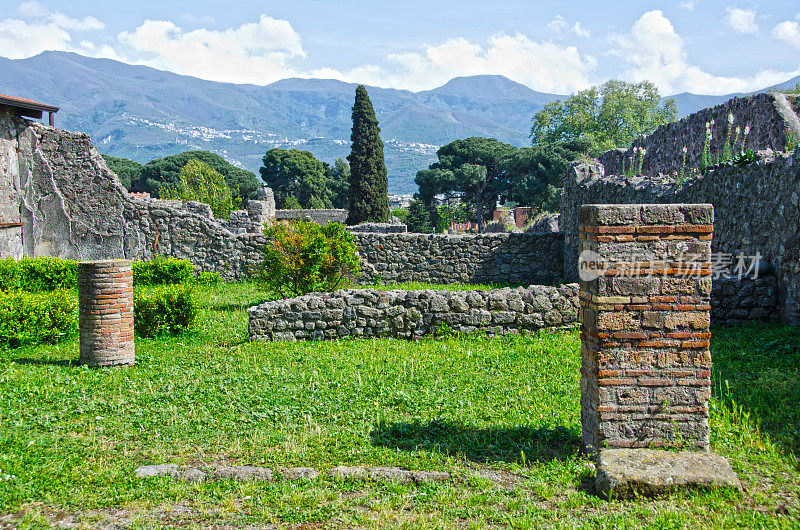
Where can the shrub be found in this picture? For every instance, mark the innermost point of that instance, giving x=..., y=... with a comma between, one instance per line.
x=38, y=274
x=168, y=309
x=302, y=257
x=207, y=278
x=160, y=271
x=200, y=182
x=31, y=318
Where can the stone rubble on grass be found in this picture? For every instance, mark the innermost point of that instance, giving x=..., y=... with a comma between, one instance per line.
x=391, y=474
x=297, y=473
x=624, y=473
x=261, y=474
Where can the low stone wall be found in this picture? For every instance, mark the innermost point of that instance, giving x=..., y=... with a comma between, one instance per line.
x=407, y=314
x=317, y=216
x=521, y=259
x=736, y=301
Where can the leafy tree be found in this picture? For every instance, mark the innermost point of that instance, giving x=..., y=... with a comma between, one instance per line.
x=474, y=167
x=200, y=182
x=537, y=173
x=610, y=116
x=369, y=185
x=418, y=219
x=302, y=257
x=338, y=182
x=165, y=173
x=298, y=175
x=128, y=171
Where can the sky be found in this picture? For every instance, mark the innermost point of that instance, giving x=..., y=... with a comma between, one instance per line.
x=695, y=46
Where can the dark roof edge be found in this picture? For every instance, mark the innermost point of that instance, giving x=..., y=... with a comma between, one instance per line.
x=26, y=104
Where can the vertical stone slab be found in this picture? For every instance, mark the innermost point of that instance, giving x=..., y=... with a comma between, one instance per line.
x=105, y=300
x=645, y=312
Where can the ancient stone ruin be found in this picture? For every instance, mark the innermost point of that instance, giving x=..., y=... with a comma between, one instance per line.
x=645, y=291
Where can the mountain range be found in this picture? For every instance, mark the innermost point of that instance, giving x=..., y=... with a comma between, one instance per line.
x=142, y=113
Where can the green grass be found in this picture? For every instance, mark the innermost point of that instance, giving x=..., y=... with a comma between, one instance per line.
x=72, y=436
x=421, y=286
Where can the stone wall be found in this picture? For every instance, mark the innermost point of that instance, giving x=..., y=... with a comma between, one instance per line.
x=757, y=209
x=769, y=117
x=380, y=228
x=407, y=314
x=645, y=340
x=10, y=216
x=317, y=216
x=520, y=259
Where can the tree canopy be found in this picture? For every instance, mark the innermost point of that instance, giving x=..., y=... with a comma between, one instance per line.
x=165, y=172
x=127, y=170
x=197, y=181
x=299, y=180
x=481, y=171
x=609, y=116
x=369, y=184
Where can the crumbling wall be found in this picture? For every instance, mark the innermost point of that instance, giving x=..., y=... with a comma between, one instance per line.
x=757, y=213
x=769, y=118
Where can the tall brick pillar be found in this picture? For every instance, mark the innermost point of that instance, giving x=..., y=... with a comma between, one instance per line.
x=645, y=315
x=105, y=295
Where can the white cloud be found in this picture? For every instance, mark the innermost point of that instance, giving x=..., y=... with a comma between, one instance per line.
x=44, y=30
x=788, y=32
x=741, y=20
x=558, y=24
x=689, y=5
x=580, y=30
x=256, y=52
x=655, y=52
x=543, y=66
x=20, y=39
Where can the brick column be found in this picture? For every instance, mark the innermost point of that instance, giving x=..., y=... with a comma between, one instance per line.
x=645, y=315
x=105, y=293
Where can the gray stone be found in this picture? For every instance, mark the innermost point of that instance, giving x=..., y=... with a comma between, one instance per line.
x=388, y=474
x=623, y=473
x=159, y=470
x=241, y=473
x=298, y=473
x=191, y=475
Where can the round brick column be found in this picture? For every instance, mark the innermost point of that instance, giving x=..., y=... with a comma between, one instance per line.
x=105, y=293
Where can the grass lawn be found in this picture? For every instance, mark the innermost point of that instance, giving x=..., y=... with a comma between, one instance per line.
x=70, y=437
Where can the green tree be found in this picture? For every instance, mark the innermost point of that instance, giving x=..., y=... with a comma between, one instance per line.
x=609, y=116
x=297, y=175
x=369, y=185
x=338, y=182
x=128, y=171
x=473, y=167
x=200, y=182
x=165, y=173
x=536, y=173
x=418, y=219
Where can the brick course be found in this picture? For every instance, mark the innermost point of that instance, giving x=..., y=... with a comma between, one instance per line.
x=645, y=315
x=105, y=294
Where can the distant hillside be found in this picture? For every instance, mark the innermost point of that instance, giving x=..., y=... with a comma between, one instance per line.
x=141, y=113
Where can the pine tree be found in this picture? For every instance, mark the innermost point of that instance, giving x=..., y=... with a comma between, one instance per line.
x=369, y=186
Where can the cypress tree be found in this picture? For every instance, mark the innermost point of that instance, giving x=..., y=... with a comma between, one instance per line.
x=369, y=185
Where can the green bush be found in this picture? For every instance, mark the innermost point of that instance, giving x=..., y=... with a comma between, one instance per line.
x=168, y=309
x=161, y=271
x=38, y=274
x=31, y=318
x=302, y=257
x=208, y=278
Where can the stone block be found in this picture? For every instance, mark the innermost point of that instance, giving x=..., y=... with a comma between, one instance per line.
x=625, y=473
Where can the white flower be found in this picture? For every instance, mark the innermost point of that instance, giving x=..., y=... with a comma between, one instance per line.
x=730, y=118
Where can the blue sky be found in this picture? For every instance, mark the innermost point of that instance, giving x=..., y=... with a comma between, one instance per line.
x=687, y=45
